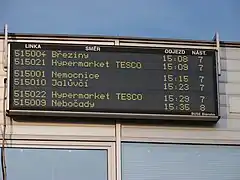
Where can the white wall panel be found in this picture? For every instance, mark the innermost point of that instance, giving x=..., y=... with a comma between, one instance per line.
x=223, y=64
x=1, y=94
x=234, y=102
x=223, y=112
x=223, y=77
x=233, y=124
x=1, y=107
x=229, y=88
x=176, y=134
x=230, y=65
x=61, y=132
x=2, y=81
x=230, y=53
x=2, y=72
x=1, y=45
x=223, y=100
x=1, y=112
x=230, y=77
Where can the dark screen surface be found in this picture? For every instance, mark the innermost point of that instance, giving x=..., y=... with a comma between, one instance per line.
x=113, y=79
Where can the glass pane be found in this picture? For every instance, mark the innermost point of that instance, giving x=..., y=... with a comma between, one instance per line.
x=142, y=161
x=52, y=164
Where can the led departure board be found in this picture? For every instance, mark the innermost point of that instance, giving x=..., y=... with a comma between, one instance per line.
x=112, y=81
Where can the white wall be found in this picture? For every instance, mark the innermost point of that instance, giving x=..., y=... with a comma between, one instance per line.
x=227, y=130
x=230, y=86
x=2, y=76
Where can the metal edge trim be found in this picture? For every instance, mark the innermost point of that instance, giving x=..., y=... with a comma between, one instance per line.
x=110, y=115
x=8, y=79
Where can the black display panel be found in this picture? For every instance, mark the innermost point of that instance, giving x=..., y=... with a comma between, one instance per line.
x=112, y=81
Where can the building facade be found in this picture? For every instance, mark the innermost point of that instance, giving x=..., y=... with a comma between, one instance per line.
x=123, y=151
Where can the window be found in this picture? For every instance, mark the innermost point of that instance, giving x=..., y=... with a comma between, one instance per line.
x=52, y=164
x=143, y=161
